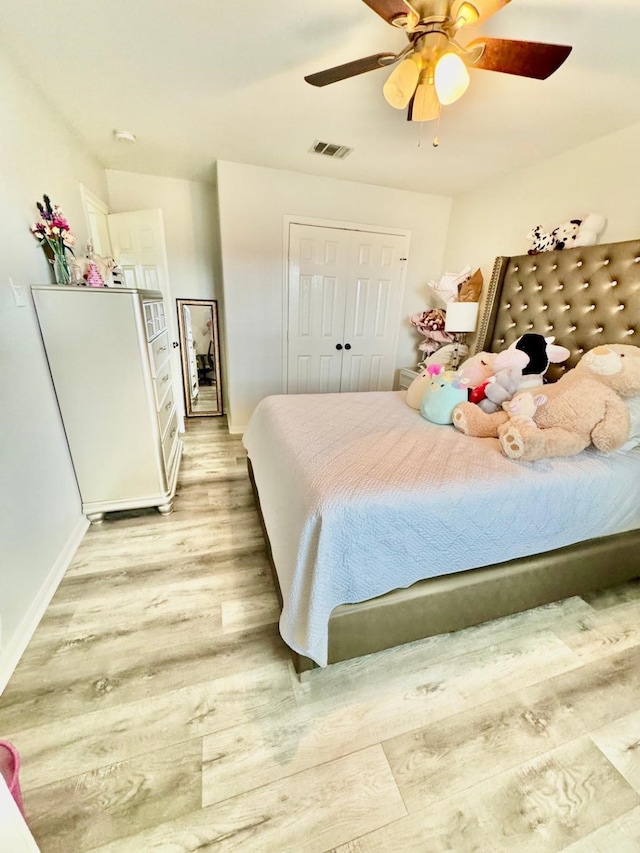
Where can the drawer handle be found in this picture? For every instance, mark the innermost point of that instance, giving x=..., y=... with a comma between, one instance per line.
x=168, y=406
x=162, y=349
x=165, y=377
x=173, y=432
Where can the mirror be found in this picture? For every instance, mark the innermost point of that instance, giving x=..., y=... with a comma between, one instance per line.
x=200, y=352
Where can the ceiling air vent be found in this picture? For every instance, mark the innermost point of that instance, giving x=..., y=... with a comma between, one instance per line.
x=330, y=149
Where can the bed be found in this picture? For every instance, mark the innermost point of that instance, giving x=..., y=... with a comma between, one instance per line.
x=383, y=528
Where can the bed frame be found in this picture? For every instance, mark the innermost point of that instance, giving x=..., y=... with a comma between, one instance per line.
x=584, y=297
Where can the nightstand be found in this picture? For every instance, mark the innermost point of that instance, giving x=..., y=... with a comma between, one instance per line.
x=407, y=375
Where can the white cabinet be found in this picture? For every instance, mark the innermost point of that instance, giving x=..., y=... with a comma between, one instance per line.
x=108, y=351
x=344, y=308
x=407, y=375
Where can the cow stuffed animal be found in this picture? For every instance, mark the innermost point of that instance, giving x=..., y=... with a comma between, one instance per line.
x=584, y=407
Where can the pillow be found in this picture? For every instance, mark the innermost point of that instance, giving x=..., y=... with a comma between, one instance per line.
x=633, y=405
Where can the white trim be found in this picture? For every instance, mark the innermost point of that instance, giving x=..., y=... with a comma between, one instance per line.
x=91, y=200
x=11, y=654
x=236, y=430
x=16, y=837
x=288, y=221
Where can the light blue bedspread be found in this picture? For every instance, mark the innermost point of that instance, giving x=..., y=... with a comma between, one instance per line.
x=360, y=495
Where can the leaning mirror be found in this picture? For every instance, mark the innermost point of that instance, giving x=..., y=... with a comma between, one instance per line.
x=200, y=351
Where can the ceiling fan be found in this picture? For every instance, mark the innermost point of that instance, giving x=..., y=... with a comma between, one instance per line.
x=433, y=68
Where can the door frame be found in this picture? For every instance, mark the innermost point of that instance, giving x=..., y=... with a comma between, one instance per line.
x=287, y=221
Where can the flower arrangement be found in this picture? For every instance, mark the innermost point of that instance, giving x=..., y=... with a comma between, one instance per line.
x=430, y=324
x=53, y=233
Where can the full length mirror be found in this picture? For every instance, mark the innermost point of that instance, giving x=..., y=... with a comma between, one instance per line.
x=200, y=351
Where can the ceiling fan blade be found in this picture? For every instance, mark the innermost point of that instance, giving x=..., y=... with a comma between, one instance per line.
x=390, y=9
x=402, y=82
x=351, y=69
x=484, y=8
x=523, y=58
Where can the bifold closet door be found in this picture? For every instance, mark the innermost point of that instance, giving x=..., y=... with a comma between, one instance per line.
x=344, y=309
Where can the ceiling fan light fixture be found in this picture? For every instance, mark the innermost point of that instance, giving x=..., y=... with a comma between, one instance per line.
x=426, y=106
x=451, y=78
x=467, y=15
x=401, y=83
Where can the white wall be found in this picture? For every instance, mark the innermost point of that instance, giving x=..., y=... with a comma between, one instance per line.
x=598, y=177
x=40, y=516
x=189, y=213
x=253, y=202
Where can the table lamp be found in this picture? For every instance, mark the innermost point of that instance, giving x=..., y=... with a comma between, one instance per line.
x=460, y=318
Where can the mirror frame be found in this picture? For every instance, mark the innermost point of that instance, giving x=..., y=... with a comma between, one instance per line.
x=213, y=305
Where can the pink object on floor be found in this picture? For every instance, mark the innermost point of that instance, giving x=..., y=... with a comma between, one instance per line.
x=9, y=769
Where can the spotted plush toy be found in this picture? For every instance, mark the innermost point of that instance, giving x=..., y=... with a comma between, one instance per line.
x=541, y=241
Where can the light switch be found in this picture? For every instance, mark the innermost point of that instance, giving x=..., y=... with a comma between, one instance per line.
x=18, y=294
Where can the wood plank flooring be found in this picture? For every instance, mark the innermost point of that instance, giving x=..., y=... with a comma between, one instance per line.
x=156, y=708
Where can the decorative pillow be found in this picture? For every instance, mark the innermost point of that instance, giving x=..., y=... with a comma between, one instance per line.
x=633, y=405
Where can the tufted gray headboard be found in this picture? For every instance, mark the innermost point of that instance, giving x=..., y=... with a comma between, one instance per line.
x=585, y=296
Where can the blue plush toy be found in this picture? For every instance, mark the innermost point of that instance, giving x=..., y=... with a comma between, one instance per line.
x=442, y=395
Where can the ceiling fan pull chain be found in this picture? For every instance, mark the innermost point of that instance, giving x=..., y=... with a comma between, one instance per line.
x=436, y=138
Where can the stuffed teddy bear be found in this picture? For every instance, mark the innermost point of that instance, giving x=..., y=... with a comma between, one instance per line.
x=522, y=407
x=584, y=407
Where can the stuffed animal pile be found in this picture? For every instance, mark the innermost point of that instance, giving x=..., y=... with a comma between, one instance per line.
x=584, y=407
x=567, y=235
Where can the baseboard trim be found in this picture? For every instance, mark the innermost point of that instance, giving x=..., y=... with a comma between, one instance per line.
x=236, y=430
x=13, y=651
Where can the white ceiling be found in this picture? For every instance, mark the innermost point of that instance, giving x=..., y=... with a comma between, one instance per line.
x=201, y=80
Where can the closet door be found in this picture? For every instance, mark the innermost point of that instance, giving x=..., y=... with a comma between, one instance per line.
x=372, y=311
x=318, y=271
x=345, y=291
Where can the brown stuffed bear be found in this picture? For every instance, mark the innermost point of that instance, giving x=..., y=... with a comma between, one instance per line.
x=584, y=407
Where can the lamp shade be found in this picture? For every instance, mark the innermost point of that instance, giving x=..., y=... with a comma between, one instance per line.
x=451, y=78
x=461, y=316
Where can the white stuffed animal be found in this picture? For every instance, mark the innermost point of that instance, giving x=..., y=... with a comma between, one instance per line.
x=575, y=232
x=591, y=227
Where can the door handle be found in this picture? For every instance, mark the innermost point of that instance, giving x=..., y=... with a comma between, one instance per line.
x=338, y=346
x=347, y=346
x=175, y=344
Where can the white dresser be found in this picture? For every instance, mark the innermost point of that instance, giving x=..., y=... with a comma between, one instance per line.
x=108, y=351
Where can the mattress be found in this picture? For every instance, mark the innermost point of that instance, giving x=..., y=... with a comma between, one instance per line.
x=360, y=495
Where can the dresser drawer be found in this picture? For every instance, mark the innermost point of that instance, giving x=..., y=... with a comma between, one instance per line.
x=161, y=383
x=155, y=318
x=170, y=439
x=159, y=351
x=164, y=411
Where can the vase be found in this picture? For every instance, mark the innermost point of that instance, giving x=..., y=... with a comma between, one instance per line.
x=61, y=271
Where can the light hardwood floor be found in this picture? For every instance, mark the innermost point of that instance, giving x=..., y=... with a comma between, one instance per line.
x=156, y=708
